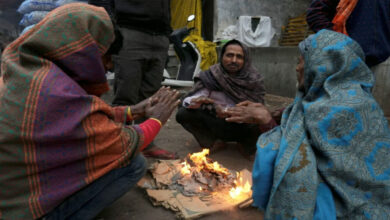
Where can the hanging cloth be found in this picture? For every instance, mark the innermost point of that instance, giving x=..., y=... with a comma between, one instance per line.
x=260, y=37
x=181, y=9
x=343, y=11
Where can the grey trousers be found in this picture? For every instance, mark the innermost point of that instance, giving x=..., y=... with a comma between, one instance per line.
x=139, y=66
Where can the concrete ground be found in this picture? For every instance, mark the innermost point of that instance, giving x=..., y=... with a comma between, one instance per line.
x=136, y=205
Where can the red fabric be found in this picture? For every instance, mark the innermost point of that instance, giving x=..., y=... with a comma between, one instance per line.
x=344, y=10
x=150, y=129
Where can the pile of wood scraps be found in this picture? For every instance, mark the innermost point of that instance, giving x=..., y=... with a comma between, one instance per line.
x=296, y=30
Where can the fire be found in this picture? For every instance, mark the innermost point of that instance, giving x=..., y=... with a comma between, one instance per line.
x=240, y=188
x=197, y=162
x=186, y=169
x=201, y=162
x=217, y=168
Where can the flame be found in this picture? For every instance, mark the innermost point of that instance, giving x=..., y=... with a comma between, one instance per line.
x=186, y=169
x=216, y=167
x=200, y=161
x=240, y=189
x=200, y=158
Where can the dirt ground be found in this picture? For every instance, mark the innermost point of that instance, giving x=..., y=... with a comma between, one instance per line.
x=136, y=205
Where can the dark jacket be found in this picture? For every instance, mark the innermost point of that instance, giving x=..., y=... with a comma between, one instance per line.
x=369, y=25
x=150, y=16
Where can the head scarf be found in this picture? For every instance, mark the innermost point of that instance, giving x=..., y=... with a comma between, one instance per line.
x=248, y=84
x=305, y=44
x=329, y=156
x=56, y=135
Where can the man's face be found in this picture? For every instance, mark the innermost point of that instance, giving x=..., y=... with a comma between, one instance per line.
x=300, y=70
x=233, y=59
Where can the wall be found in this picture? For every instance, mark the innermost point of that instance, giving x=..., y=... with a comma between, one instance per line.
x=381, y=89
x=277, y=65
x=227, y=11
x=9, y=17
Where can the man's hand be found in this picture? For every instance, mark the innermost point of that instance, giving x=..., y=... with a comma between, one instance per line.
x=249, y=112
x=251, y=104
x=163, y=106
x=220, y=111
x=197, y=102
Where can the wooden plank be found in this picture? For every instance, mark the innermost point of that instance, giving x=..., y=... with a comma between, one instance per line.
x=297, y=22
x=295, y=31
x=297, y=19
x=294, y=35
x=297, y=28
x=296, y=25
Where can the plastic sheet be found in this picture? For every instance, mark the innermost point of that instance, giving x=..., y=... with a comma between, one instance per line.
x=36, y=5
x=32, y=18
x=27, y=29
x=64, y=2
x=230, y=33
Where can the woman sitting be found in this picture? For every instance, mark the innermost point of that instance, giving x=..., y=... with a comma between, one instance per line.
x=329, y=158
x=65, y=153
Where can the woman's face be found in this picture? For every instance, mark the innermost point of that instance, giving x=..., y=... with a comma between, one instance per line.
x=300, y=70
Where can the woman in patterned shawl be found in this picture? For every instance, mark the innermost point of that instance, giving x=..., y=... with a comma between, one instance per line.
x=329, y=158
x=65, y=153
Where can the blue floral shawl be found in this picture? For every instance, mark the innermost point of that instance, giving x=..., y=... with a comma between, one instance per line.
x=330, y=156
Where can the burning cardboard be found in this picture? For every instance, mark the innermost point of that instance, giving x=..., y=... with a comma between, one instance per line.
x=196, y=186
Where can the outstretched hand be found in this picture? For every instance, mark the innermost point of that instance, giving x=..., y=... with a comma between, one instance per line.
x=220, y=111
x=248, y=112
x=162, y=105
x=197, y=102
x=139, y=110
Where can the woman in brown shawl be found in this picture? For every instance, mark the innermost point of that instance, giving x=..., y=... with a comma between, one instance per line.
x=230, y=82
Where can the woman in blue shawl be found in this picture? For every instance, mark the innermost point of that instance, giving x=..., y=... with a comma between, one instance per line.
x=329, y=158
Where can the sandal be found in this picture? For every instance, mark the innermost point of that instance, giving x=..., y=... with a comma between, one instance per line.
x=159, y=153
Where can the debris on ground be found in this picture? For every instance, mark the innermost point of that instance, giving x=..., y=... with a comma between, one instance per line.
x=196, y=186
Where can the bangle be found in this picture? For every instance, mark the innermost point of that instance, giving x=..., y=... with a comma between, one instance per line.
x=129, y=113
x=155, y=119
